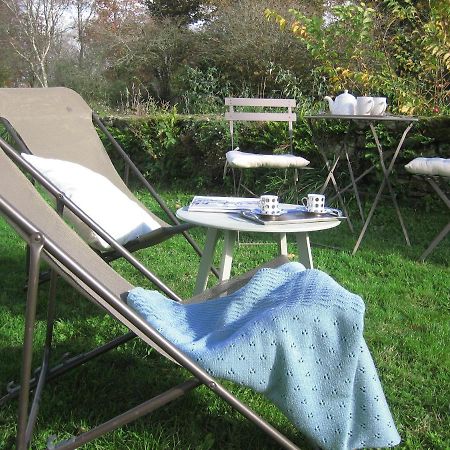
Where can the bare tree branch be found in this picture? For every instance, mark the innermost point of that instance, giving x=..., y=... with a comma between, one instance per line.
x=35, y=31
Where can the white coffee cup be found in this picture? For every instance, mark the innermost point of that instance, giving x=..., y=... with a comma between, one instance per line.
x=269, y=206
x=364, y=106
x=315, y=203
x=379, y=106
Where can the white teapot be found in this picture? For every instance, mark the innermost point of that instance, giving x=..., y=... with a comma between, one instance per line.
x=343, y=105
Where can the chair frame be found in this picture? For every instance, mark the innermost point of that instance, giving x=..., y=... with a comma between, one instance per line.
x=42, y=247
x=432, y=181
x=232, y=116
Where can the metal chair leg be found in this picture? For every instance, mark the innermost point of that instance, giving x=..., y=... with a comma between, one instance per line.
x=435, y=242
x=36, y=246
x=441, y=235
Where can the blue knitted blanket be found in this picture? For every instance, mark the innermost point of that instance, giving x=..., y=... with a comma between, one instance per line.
x=294, y=335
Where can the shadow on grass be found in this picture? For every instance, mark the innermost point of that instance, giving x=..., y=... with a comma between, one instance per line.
x=115, y=382
x=69, y=303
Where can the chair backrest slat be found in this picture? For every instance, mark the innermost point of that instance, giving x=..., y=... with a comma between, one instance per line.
x=264, y=102
x=284, y=115
x=261, y=116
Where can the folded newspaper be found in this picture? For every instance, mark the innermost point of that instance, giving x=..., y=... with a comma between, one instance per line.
x=223, y=204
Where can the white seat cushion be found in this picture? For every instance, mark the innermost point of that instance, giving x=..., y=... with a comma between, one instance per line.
x=429, y=166
x=100, y=199
x=242, y=160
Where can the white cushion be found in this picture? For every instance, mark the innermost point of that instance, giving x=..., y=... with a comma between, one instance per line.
x=429, y=166
x=242, y=160
x=101, y=200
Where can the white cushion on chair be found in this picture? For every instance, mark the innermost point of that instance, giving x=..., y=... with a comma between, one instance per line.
x=429, y=166
x=97, y=197
x=242, y=160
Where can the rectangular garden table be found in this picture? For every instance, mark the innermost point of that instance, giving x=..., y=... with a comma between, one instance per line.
x=404, y=122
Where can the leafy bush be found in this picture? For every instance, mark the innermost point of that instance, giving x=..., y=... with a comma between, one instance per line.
x=392, y=49
x=171, y=149
x=202, y=91
x=184, y=150
x=189, y=151
x=246, y=49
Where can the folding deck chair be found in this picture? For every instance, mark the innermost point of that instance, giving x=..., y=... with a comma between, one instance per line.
x=433, y=170
x=51, y=240
x=57, y=123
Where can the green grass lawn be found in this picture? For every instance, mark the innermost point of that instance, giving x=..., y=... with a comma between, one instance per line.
x=407, y=329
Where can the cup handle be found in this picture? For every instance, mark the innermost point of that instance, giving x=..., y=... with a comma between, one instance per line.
x=304, y=199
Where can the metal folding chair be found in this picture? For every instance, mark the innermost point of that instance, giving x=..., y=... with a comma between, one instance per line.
x=260, y=110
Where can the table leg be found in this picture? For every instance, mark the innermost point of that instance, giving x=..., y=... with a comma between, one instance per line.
x=386, y=174
x=330, y=176
x=386, y=155
x=355, y=187
x=330, y=172
x=342, y=203
x=227, y=255
x=206, y=260
x=336, y=187
x=282, y=244
x=381, y=188
x=304, y=250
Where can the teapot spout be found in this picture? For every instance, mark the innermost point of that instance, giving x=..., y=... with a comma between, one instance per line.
x=330, y=103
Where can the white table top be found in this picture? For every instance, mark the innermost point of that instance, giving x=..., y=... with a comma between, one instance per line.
x=234, y=221
x=368, y=118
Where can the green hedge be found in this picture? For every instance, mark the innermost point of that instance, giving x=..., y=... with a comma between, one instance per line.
x=172, y=149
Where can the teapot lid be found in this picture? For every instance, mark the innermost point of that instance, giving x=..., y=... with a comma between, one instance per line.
x=345, y=96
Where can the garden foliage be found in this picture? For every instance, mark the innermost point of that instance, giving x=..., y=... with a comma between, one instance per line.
x=175, y=149
x=193, y=53
x=165, y=62
x=388, y=48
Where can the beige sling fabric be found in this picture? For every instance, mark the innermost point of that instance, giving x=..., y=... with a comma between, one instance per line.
x=57, y=123
x=19, y=191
